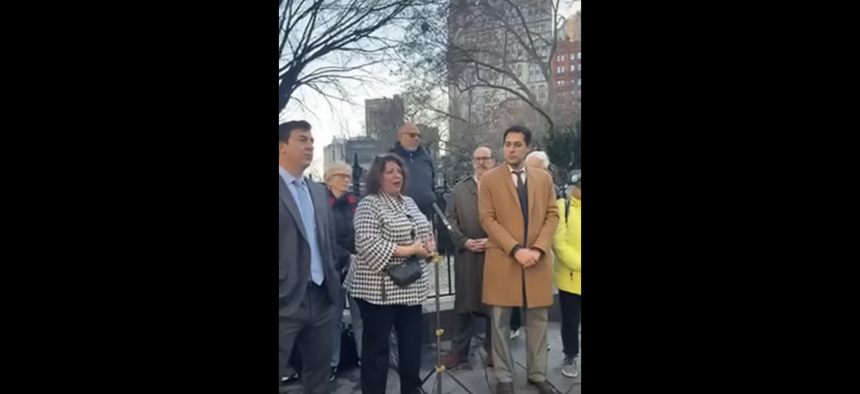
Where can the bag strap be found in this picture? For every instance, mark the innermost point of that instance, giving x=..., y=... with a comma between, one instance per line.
x=567, y=209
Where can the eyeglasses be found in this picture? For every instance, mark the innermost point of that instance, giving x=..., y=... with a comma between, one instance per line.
x=345, y=177
x=482, y=159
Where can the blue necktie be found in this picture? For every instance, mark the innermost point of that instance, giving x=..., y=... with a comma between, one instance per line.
x=307, y=211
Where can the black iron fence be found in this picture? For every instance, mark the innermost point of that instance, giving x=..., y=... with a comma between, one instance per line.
x=444, y=243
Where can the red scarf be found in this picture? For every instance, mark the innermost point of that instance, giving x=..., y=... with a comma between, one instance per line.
x=350, y=199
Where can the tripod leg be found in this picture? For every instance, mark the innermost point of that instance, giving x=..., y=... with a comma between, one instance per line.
x=459, y=383
x=440, y=369
x=435, y=383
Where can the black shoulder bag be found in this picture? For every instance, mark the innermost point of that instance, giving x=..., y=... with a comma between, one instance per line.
x=409, y=271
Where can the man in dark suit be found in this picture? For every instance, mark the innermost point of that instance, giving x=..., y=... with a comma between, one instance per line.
x=307, y=280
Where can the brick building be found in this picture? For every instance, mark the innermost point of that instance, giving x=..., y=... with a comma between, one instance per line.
x=567, y=64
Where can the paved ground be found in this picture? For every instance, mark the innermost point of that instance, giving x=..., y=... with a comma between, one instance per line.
x=475, y=378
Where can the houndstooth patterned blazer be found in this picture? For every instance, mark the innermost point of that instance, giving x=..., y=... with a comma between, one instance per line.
x=381, y=224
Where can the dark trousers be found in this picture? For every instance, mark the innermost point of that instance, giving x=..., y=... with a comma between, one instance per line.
x=516, y=319
x=378, y=321
x=463, y=338
x=310, y=327
x=571, y=310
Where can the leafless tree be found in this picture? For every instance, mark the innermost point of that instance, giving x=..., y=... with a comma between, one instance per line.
x=315, y=172
x=491, y=62
x=324, y=43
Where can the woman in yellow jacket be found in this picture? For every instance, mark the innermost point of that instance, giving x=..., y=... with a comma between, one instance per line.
x=568, y=270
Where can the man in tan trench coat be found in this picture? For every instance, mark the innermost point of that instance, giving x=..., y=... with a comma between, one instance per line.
x=470, y=242
x=518, y=211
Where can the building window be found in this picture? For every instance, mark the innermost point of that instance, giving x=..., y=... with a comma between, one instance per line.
x=579, y=55
x=572, y=82
x=560, y=69
x=534, y=73
x=579, y=67
x=560, y=83
x=572, y=56
x=579, y=82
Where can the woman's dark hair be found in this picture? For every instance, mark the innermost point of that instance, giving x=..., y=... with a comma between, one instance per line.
x=373, y=183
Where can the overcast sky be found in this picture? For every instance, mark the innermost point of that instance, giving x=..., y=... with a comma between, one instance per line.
x=346, y=118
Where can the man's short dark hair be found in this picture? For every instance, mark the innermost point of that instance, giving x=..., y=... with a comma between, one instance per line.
x=373, y=183
x=285, y=129
x=527, y=134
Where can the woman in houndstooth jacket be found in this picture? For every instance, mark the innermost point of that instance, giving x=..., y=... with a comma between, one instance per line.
x=389, y=228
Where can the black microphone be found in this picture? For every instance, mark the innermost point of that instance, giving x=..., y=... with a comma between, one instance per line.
x=442, y=217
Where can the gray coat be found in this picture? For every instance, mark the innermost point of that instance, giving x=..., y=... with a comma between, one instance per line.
x=468, y=266
x=294, y=254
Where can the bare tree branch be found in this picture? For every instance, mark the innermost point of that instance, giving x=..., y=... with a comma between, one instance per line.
x=311, y=30
x=487, y=44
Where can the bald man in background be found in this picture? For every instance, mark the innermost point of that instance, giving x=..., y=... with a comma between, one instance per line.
x=419, y=163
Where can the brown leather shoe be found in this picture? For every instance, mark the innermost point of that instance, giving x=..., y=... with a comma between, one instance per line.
x=452, y=361
x=505, y=388
x=544, y=387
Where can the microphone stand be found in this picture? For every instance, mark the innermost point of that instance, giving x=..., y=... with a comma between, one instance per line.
x=440, y=369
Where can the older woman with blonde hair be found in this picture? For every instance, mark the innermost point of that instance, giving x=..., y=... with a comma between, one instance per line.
x=539, y=159
x=338, y=176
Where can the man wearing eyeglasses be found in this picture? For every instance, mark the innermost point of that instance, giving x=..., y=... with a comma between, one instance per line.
x=470, y=242
x=420, y=167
